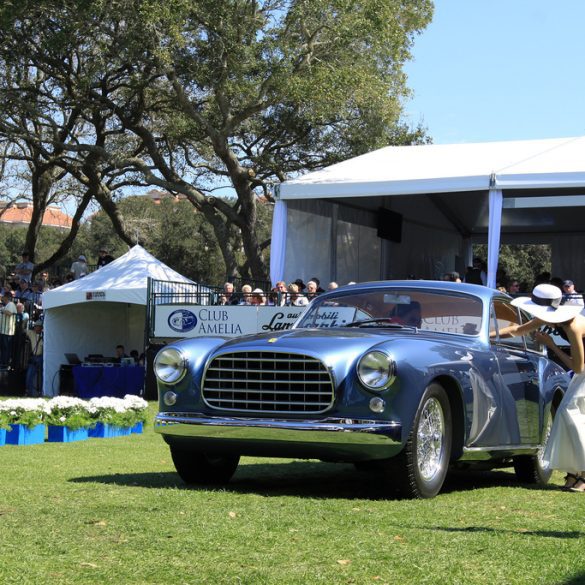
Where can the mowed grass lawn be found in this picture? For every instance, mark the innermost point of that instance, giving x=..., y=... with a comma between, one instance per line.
x=114, y=511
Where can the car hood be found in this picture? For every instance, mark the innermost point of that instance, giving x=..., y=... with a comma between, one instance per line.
x=330, y=345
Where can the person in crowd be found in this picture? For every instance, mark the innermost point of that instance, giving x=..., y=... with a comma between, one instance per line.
x=513, y=287
x=281, y=294
x=557, y=281
x=542, y=278
x=477, y=273
x=246, y=295
x=6, y=288
x=103, y=258
x=36, y=305
x=332, y=285
x=24, y=290
x=7, y=329
x=79, y=268
x=43, y=280
x=318, y=283
x=19, y=358
x=34, y=370
x=300, y=285
x=272, y=297
x=312, y=288
x=228, y=297
x=24, y=269
x=120, y=353
x=295, y=297
x=501, y=288
x=451, y=276
x=258, y=298
x=22, y=315
x=138, y=358
x=570, y=295
x=565, y=449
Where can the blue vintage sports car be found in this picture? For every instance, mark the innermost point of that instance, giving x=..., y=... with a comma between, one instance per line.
x=406, y=378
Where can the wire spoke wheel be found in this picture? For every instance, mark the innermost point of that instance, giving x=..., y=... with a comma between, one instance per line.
x=430, y=439
x=419, y=470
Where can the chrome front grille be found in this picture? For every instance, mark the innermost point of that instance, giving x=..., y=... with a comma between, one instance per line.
x=263, y=381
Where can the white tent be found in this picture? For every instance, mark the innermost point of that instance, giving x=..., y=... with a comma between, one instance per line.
x=99, y=311
x=448, y=197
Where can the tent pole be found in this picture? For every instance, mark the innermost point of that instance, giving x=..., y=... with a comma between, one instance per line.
x=494, y=229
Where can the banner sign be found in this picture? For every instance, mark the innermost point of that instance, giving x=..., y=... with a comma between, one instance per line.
x=334, y=316
x=200, y=321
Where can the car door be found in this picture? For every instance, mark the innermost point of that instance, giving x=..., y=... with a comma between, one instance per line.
x=517, y=383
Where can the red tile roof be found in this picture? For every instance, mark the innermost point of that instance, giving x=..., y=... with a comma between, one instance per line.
x=19, y=214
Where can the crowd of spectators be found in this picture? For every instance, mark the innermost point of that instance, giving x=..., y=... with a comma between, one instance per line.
x=477, y=274
x=21, y=308
x=296, y=293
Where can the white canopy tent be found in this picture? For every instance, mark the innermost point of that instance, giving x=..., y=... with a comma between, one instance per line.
x=447, y=197
x=95, y=313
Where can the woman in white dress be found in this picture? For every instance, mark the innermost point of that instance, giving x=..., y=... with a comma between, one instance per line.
x=565, y=449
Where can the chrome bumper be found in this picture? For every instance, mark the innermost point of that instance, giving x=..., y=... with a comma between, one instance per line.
x=328, y=437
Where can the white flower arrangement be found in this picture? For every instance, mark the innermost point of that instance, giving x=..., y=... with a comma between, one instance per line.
x=72, y=412
x=68, y=411
x=119, y=412
x=22, y=411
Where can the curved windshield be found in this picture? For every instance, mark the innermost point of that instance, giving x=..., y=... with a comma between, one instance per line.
x=396, y=308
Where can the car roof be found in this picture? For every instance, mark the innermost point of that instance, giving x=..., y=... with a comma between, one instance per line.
x=437, y=285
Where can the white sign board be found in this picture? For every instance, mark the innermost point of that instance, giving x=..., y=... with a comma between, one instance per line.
x=202, y=321
x=334, y=316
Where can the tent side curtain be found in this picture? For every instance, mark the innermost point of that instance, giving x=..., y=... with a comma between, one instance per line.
x=278, y=242
x=331, y=242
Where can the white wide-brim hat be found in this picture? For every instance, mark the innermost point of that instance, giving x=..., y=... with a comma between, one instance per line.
x=546, y=304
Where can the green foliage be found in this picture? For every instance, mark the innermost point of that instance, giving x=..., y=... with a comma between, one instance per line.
x=196, y=95
x=12, y=244
x=173, y=231
x=522, y=262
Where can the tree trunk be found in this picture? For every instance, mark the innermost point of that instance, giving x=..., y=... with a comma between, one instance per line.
x=68, y=241
x=42, y=181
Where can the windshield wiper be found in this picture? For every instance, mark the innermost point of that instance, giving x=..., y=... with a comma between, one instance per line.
x=386, y=321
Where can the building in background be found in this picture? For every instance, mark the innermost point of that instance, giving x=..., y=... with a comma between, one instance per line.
x=19, y=214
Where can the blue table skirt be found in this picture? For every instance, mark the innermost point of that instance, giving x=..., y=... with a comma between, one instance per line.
x=108, y=380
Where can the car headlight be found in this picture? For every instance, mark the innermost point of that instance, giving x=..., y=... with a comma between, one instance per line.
x=170, y=365
x=376, y=370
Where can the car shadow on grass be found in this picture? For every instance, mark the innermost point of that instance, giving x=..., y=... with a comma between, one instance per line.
x=311, y=479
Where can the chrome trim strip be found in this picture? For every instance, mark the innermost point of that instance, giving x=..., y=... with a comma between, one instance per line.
x=244, y=381
x=337, y=431
x=514, y=448
x=497, y=451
